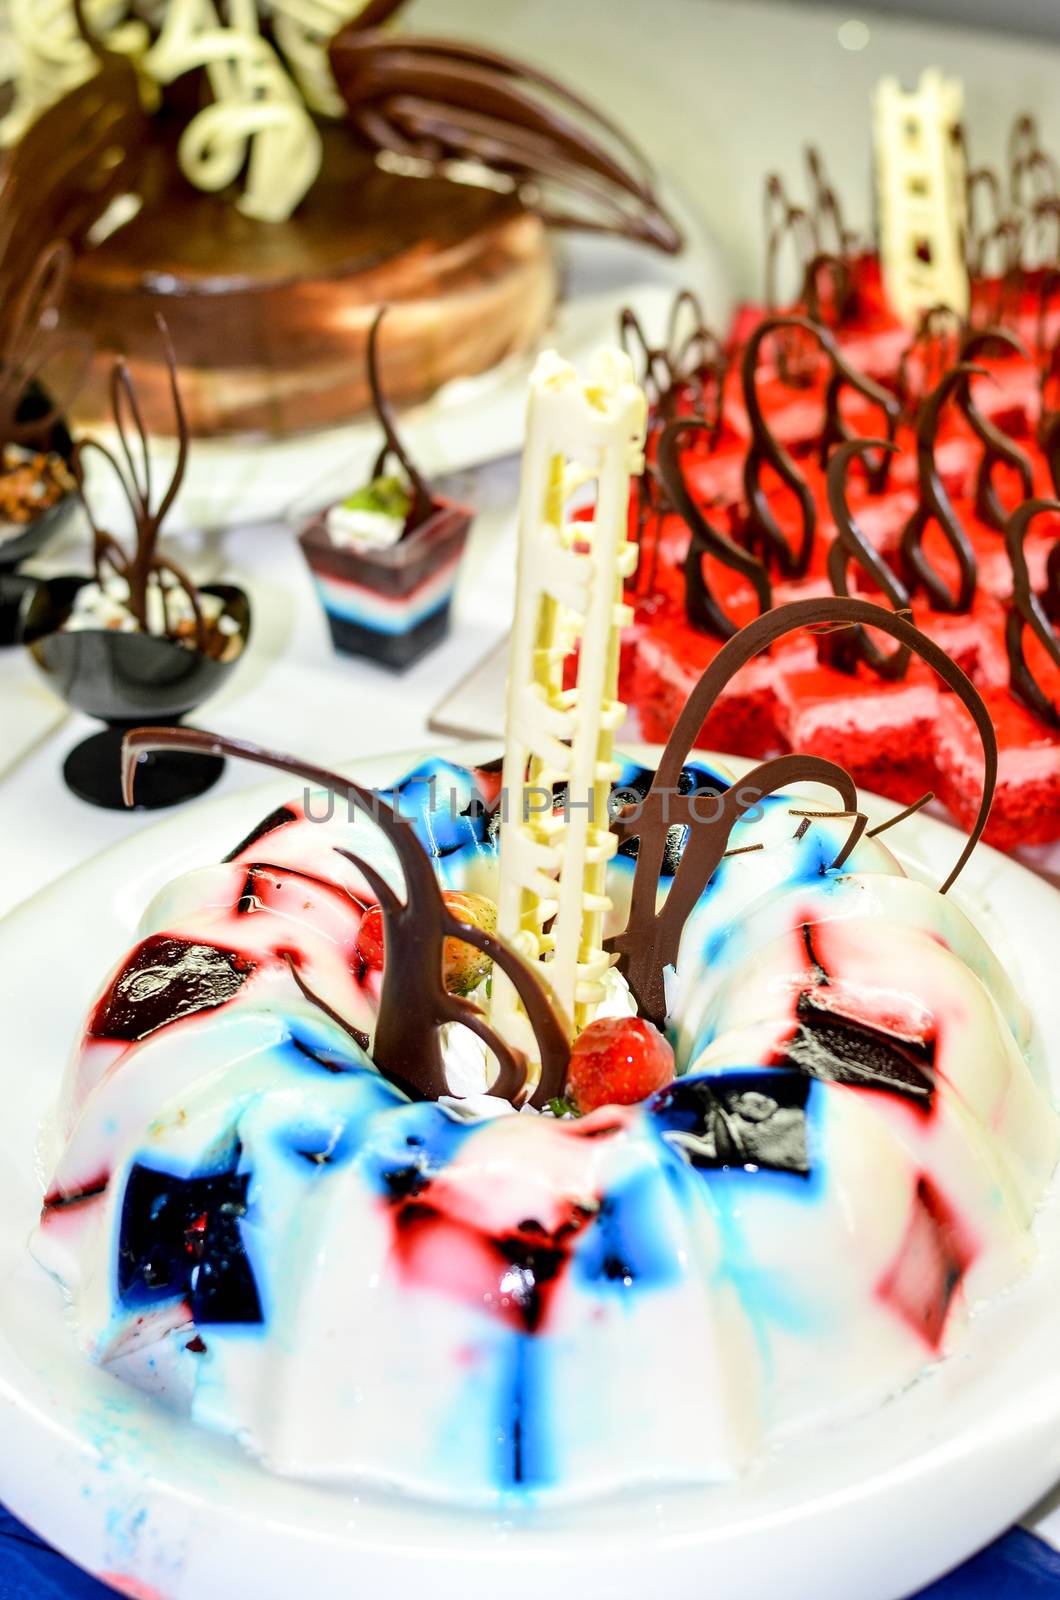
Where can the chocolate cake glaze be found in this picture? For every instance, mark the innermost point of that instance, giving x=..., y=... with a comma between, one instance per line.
x=270, y=320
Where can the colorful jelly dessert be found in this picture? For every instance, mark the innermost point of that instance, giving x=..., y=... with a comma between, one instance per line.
x=386, y=559
x=460, y=1302
x=555, y=1127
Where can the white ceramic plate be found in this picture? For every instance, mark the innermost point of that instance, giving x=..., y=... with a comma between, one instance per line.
x=875, y=1507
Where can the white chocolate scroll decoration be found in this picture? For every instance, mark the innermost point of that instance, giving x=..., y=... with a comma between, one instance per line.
x=920, y=181
x=49, y=57
x=552, y=898
x=258, y=128
x=303, y=29
x=258, y=120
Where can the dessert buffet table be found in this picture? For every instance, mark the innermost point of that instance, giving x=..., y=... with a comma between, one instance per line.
x=291, y=692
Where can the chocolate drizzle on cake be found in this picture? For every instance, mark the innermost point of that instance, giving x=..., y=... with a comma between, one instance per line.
x=142, y=568
x=650, y=941
x=445, y=104
x=414, y=1002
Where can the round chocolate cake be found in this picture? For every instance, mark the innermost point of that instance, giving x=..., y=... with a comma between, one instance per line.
x=270, y=319
x=267, y=183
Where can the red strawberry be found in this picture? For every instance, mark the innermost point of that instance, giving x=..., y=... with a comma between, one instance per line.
x=370, y=939
x=617, y=1061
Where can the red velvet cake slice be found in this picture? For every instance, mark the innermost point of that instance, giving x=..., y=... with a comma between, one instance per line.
x=1027, y=798
x=882, y=733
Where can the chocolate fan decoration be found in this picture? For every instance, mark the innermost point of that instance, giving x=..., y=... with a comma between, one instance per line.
x=692, y=358
x=936, y=506
x=1029, y=610
x=413, y=1001
x=649, y=942
x=764, y=532
x=67, y=168
x=844, y=648
x=704, y=609
x=143, y=567
x=441, y=101
x=422, y=499
x=30, y=343
x=998, y=448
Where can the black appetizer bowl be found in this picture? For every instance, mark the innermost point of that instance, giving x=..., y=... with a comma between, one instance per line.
x=127, y=680
x=34, y=535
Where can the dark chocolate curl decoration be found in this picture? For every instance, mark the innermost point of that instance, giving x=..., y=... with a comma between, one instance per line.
x=832, y=234
x=413, y=1001
x=1029, y=165
x=998, y=448
x=764, y=531
x=422, y=499
x=144, y=566
x=704, y=609
x=692, y=360
x=1029, y=611
x=29, y=342
x=70, y=164
x=843, y=648
x=937, y=341
x=935, y=505
x=649, y=943
x=830, y=306
x=440, y=101
x=980, y=180
x=784, y=221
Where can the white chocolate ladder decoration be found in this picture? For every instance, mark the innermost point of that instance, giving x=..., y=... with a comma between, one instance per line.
x=920, y=179
x=552, y=896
